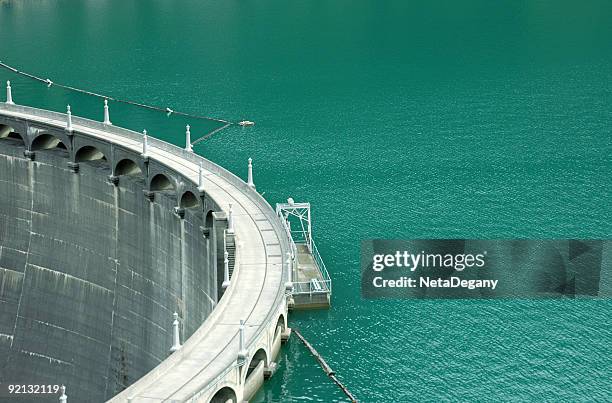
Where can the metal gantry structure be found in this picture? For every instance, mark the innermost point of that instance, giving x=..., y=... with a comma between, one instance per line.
x=311, y=281
x=296, y=212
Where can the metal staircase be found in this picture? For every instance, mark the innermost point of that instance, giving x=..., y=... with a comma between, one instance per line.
x=230, y=246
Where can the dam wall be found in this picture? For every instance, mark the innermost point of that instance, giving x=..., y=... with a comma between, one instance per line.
x=91, y=273
x=106, y=232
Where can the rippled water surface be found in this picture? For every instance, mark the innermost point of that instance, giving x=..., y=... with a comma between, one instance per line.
x=395, y=119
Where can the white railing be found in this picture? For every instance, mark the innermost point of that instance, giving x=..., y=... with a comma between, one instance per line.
x=317, y=286
x=302, y=236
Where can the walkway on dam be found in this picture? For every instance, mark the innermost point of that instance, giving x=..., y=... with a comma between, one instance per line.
x=254, y=291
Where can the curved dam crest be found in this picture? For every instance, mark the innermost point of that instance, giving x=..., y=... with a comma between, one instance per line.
x=99, y=245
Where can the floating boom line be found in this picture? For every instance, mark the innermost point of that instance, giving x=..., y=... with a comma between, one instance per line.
x=166, y=110
x=209, y=135
x=326, y=368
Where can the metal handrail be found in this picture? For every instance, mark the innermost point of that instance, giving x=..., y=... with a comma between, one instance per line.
x=299, y=286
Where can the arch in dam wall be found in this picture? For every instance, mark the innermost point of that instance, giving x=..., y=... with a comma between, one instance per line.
x=188, y=200
x=208, y=222
x=254, y=374
x=281, y=324
x=13, y=125
x=260, y=356
x=188, y=196
x=160, y=182
x=42, y=139
x=127, y=166
x=277, y=336
x=47, y=141
x=89, y=153
x=9, y=132
x=161, y=179
x=5, y=130
x=127, y=159
x=224, y=395
x=86, y=149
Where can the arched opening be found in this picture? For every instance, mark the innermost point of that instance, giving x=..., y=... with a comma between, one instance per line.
x=280, y=336
x=209, y=220
x=127, y=167
x=259, y=357
x=224, y=395
x=189, y=200
x=7, y=132
x=161, y=182
x=46, y=142
x=89, y=153
x=280, y=326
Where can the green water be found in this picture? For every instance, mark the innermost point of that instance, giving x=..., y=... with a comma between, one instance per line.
x=395, y=119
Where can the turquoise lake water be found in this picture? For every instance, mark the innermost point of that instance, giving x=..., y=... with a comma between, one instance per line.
x=395, y=119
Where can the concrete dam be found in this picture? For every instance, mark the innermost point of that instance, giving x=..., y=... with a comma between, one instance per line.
x=104, y=235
